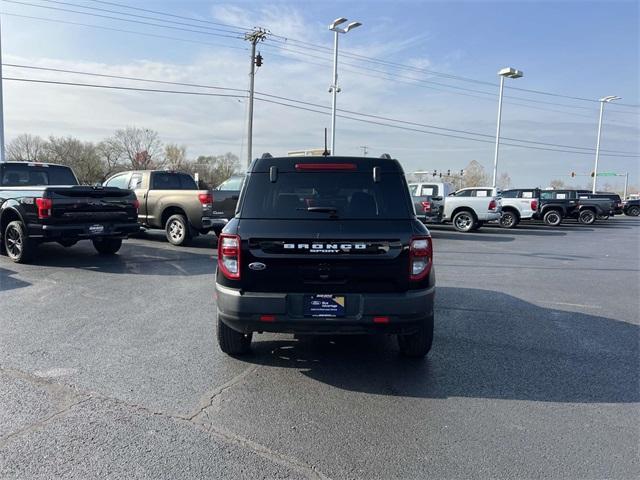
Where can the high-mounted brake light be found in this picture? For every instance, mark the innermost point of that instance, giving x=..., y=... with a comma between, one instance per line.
x=420, y=258
x=426, y=206
x=493, y=205
x=326, y=166
x=229, y=256
x=534, y=205
x=45, y=205
x=205, y=198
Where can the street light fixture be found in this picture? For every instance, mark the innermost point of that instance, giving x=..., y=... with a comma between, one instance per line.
x=334, y=89
x=603, y=100
x=507, y=72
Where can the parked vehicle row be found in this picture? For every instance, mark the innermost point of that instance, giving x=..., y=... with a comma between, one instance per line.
x=469, y=208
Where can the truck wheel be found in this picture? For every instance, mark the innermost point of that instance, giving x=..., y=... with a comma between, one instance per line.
x=178, y=230
x=464, y=221
x=552, y=218
x=633, y=211
x=232, y=342
x=508, y=220
x=587, y=217
x=107, y=246
x=417, y=345
x=19, y=247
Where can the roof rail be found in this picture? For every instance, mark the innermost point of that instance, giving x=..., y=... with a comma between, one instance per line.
x=386, y=156
x=266, y=155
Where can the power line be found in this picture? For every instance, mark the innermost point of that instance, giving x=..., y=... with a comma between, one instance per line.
x=310, y=45
x=300, y=108
x=215, y=87
x=100, y=27
x=109, y=17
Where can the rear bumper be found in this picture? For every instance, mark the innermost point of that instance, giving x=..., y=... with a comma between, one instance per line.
x=83, y=231
x=212, y=222
x=405, y=312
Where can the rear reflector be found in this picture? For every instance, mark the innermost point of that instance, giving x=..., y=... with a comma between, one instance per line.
x=326, y=166
x=267, y=318
x=380, y=319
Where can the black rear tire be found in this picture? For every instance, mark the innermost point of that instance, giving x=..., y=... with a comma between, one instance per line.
x=509, y=220
x=587, y=217
x=178, y=230
x=17, y=244
x=107, y=246
x=231, y=341
x=552, y=218
x=418, y=344
x=633, y=211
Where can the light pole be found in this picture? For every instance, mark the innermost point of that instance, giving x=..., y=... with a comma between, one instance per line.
x=1, y=105
x=334, y=89
x=603, y=100
x=507, y=72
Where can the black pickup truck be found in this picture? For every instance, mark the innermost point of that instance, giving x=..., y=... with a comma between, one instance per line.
x=556, y=205
x=325, y=245
x=44, y=203
x=225, y=199
x=631, y=208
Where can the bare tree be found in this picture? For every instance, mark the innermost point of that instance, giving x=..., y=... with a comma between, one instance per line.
x=82, y=157
x=26, y=148
x=557, y=184
x=475, y=175
x=111, y=155
x=213, y=170
x=504, y=181
x=140, y=146
x=175, y=156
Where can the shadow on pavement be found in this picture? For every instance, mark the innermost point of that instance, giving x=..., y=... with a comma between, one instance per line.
x=135, y=258
x=487, y=345
x=471, y=237
x=158, y=236
x=8, y=283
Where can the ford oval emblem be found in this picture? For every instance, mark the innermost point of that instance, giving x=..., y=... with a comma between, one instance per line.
x=257, y=266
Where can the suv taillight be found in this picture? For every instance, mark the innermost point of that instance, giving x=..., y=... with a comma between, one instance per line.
x=493, y=205
x=206, y=199
x=420, y=258
x=45, y=205
x=426, y=206
x=229, y=256
x=534, y=205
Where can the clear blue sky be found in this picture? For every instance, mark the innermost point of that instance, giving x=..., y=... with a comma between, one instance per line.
x=581, y=49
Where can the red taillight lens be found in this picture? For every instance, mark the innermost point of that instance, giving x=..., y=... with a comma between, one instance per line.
x=426, y=206
x=45, y=205
x=420, y=258
x=205, y=198
x=493, y=205
x=534, y=205
x=136, y=204
x=229, y=256
x=326, y=166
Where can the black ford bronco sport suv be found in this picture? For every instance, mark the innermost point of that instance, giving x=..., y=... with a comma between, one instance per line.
x=325, y=245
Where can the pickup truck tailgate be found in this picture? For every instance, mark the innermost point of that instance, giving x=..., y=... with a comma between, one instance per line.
x=82, y=204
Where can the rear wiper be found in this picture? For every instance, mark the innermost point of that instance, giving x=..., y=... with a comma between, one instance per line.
x=332, y=210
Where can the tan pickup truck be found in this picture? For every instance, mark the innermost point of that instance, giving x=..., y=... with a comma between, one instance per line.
x=170, y=201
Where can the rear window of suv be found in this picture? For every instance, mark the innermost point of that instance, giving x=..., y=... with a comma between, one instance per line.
x=350, y=195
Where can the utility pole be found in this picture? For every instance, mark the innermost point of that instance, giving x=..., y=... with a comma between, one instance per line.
x=365, y=150
x=603, y=100
x=1, y=103
x=626, y=185
x=255, y=36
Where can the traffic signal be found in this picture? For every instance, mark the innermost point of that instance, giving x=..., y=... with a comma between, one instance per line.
x=593, y=174
x=448, y=173
x=435, y=172
x=573, y=174
x=461, y=172
x=258, y=60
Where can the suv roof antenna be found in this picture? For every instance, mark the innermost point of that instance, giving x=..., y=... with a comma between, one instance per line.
x=326, y=152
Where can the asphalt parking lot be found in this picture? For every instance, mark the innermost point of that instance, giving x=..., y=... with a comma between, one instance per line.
x=109, y=368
